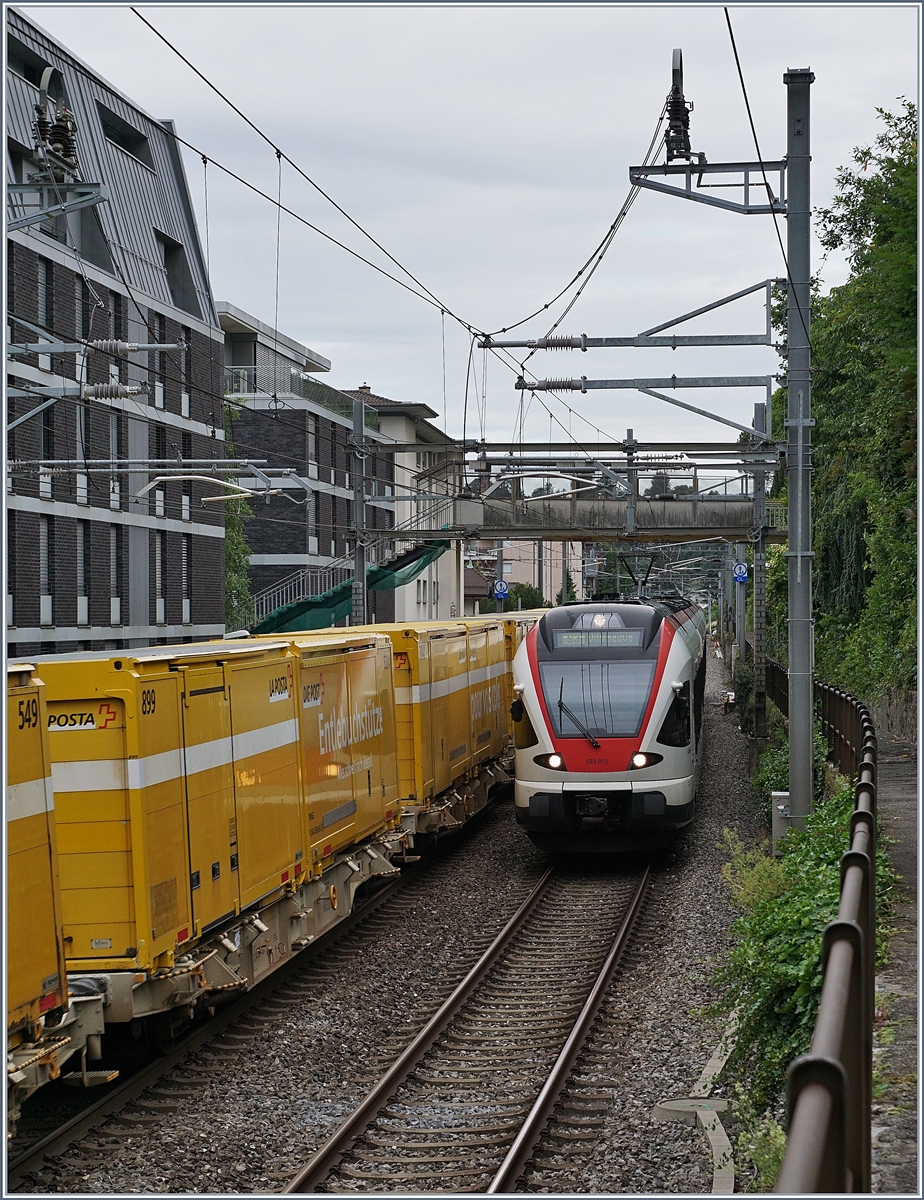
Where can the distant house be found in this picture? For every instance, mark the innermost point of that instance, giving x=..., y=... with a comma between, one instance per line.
x=425, y=480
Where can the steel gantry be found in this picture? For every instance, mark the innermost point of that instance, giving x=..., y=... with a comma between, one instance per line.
x=688, y=176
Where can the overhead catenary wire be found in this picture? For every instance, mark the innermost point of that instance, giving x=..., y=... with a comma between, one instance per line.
x=760, y=159
x=595, y=258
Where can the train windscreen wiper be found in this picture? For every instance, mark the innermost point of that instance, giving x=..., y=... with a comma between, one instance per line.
x=562, y=707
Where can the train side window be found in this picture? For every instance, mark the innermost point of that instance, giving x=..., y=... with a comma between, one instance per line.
x=523, y=733
x=675, y=730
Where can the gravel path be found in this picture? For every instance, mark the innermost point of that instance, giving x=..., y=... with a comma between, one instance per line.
x=895, y=1054
x=262, y=1101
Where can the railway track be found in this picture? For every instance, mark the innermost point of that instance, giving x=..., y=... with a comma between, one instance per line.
x=466, y=1103
x=138, y=1100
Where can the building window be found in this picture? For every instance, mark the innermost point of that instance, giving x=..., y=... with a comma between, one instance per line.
x=160, y=359
x=10, y=565
x=46, y=294
x=125, y=136
x=80, y=443
x=186, y=497
x=159, y=554
x=46, y=569
x=46, y=305
x=83, y=560
x=185, y=559
x=186, y=334
x=115, y=331
x=114, y=483
x=48, y=451
x=115, y=557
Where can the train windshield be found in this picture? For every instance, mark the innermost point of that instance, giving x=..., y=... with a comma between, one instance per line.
x=603, y=699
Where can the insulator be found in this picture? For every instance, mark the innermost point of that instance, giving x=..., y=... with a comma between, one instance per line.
x=58, y=137
x=562, y=343
x=563, y=385
x=111, y=346
x=113, y=391
x=42, y=126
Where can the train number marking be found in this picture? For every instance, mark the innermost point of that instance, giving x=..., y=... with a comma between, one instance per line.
x=148, y=702
x=28, y=713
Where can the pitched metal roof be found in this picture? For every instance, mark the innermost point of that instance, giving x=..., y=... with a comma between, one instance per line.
x=148, y=192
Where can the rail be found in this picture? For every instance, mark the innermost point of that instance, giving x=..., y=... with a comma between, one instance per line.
x=829, y=1090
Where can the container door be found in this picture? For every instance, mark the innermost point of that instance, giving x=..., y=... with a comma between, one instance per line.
x=264, y=732
x=366, y=727
x=93, y=828
x=324, y=698
x=212, y=820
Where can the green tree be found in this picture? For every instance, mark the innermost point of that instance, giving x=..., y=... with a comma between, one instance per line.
x=569, y=587
x=864, y=403
x=531, y=597
x=239, y=609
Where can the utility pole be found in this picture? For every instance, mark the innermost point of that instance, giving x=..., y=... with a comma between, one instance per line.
x=358, y=612
x=500, y=572
x=564, y=572
x=761, y=422
x=799, y=440
x=741, y=601
x=540, y=568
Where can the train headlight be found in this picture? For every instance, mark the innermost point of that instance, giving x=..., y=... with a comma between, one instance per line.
x=638, y=761
x=554, y=762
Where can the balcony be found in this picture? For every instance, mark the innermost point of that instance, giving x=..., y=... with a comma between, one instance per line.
x=258, y=381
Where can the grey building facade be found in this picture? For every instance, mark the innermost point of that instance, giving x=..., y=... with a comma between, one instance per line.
x=101, y=554
x=279, y=411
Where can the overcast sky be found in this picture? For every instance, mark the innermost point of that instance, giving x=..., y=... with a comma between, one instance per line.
x=487, y=148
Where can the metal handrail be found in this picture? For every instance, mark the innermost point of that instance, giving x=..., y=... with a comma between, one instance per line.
x=314, y=581
x=829, y=1090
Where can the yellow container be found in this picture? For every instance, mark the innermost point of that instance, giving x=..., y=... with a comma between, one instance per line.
x=34, y=953
x=345, y=697
x=177, y=796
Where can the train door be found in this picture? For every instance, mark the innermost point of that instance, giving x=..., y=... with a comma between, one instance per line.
x=212, y=818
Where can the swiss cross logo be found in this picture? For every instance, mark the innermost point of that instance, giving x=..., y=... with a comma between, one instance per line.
x=107, y=715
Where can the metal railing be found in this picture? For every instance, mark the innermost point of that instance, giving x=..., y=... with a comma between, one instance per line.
x=314, y=581
x=829, y=1090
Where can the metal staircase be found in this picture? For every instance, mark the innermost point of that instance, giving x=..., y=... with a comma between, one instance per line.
x=314, y=581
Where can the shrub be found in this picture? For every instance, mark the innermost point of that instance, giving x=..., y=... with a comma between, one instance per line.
x=772, y=978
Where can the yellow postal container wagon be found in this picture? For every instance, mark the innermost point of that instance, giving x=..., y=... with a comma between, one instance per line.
x=177, y=807
x=449, y=733
x=345, y=700
x=44, y=1029
x=183, y=823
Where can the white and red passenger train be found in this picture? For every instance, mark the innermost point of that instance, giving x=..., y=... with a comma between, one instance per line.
x=608, y=721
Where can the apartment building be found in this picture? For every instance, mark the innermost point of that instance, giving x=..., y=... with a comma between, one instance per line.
x=107, y=545
x=301, y=539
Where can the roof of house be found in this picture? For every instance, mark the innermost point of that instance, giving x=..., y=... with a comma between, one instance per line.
x=476, y=584
x=365, y=393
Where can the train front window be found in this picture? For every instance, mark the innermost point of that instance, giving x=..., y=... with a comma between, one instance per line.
x=608, y=699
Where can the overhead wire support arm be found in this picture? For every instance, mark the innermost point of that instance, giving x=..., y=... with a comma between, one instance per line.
x=647, y=338
x=752, y=177
x=670, y=381
x=47, y=205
